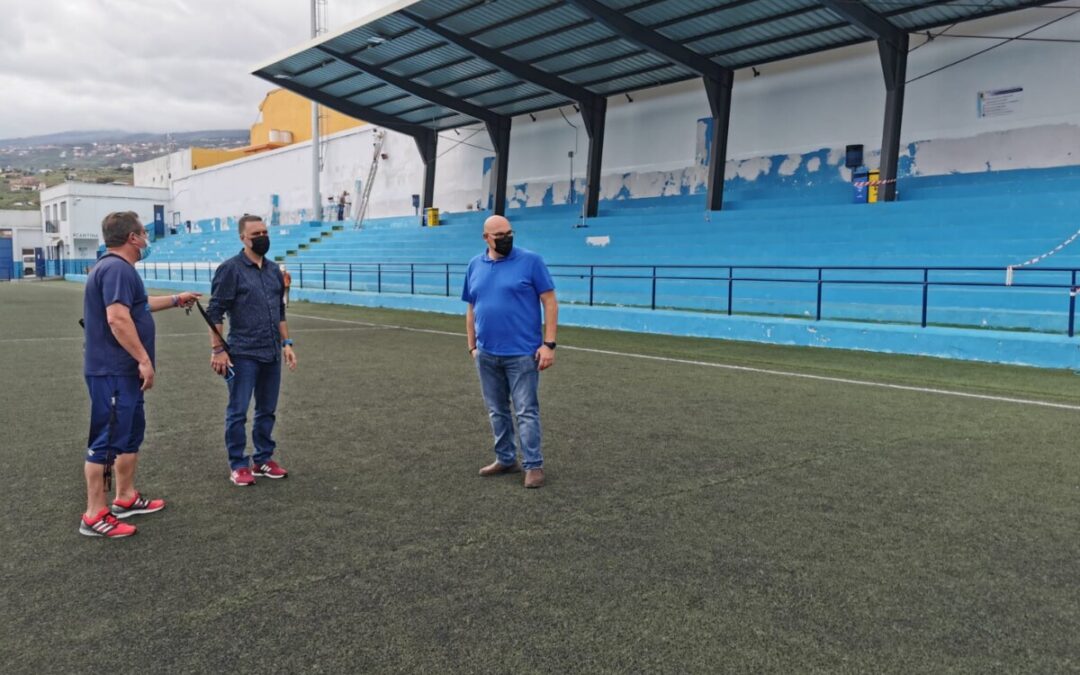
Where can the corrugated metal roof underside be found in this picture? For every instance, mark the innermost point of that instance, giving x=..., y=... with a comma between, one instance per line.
x=399, y=70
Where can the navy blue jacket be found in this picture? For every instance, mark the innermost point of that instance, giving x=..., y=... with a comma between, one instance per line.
x=254, y=300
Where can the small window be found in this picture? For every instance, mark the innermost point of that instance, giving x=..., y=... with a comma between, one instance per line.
x=63, y=210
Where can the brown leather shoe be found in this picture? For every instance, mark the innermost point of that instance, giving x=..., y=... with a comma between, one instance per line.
x=496, y=469
x=534, y=478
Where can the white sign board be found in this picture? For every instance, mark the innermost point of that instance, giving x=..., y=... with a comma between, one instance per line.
x=1000, y=102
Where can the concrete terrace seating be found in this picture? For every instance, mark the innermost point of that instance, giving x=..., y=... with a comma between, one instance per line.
x=612, y=261
x=217, y=246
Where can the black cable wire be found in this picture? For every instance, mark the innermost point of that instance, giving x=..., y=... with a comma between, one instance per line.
x=462, y=141
x=1015, y=39
x=931, y=36
x=992, y=47
x=900, y=4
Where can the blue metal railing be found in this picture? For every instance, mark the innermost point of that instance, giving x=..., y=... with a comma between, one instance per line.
x=715, y=288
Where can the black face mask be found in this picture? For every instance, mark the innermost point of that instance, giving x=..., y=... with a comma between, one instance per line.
x=505, y=245
x=260, y=245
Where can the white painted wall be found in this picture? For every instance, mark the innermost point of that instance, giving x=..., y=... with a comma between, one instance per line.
x=87, y=206
x=822, y=101
x=158, y=172
x=25, y=229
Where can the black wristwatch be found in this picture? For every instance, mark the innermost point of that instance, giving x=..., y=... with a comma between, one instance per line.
x=550, y=345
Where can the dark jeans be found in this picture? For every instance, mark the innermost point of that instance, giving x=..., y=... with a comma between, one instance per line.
x=263, y=380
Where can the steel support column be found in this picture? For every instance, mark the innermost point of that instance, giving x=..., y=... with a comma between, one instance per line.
x=719, y=93
x=427, y=143
x=894, y=65
x=499, y=131
x=595, y=116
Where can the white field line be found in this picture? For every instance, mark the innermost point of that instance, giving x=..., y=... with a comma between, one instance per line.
x=73, y=338
x=746, y=369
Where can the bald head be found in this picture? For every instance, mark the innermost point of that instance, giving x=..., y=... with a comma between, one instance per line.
x=497, y=229
x=496, y=224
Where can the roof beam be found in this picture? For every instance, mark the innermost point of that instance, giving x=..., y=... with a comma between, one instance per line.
x=537, y=11
x=516, y=68
x=865, y=19
x=649, y=39
x=416, y=89
x=349, y=108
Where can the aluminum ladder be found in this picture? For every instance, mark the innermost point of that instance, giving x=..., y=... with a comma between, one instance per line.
x=361, y=209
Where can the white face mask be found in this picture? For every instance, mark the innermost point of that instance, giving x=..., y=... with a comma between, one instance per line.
x=145, y=251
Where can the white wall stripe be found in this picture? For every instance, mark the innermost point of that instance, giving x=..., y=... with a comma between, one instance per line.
x=750, y=369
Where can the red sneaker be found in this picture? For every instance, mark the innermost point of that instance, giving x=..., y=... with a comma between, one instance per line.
x=271, y=469
x=136, y=505
x=242, y=477
x=105, y=525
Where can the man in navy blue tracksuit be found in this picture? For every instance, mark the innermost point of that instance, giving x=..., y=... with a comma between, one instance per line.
x=119, y=369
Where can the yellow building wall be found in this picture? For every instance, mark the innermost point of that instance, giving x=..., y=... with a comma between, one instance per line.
x=204, y=157
x=283, y=110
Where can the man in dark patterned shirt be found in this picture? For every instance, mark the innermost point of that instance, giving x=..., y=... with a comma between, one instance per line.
x=248, y=287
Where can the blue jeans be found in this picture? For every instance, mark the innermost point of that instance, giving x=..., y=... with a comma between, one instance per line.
x=512, y=379
x=263, y=380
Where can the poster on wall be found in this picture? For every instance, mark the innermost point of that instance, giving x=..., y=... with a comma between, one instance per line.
x=1000, y=102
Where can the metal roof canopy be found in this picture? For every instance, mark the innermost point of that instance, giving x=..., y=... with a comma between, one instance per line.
x=419, y=68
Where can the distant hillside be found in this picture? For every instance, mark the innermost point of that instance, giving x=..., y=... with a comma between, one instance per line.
x=182, y=138
x=109, y=148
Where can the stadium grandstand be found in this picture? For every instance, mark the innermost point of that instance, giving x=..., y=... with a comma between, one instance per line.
x=827, y=173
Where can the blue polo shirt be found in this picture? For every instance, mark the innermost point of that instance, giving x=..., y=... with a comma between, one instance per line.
x=254, y=299
x=114, y=280
x=505, y=295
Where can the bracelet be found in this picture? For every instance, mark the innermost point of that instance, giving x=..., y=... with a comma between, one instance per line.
x=286, y=343
x=471, y=350
x=176, y=301
x=217, y=350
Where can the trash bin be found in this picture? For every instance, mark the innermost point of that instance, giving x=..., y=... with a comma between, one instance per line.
x=860, y=179
x=432, y=217
x=872, y=189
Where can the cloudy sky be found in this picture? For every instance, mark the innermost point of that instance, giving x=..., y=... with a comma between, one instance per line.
x=145, y=65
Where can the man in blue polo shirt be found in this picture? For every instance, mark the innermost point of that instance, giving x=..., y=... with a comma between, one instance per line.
x=505, y=288
x=249, y=288
x=119, y=368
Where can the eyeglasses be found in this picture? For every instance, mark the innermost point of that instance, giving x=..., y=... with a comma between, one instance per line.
x=501, y=235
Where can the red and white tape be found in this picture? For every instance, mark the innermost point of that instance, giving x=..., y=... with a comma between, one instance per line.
x=867, y=183
x=1037, y=259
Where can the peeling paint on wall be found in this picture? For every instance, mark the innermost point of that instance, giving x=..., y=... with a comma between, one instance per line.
x=1030, y=148
x=790, y=165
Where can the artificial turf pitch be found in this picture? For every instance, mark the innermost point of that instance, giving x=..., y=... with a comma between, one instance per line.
x=696, y=519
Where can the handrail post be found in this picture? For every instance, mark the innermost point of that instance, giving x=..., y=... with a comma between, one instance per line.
x=181, y=271
x=324, y=276
x=378, y=271
x=654, y=287
x=925, y=293
x=448, y=280
x=301, y=275
x=730, y=288
x=1072, y=305
x=818, y=295
x=350, y=277
x=412, y=278
x=592, y=276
